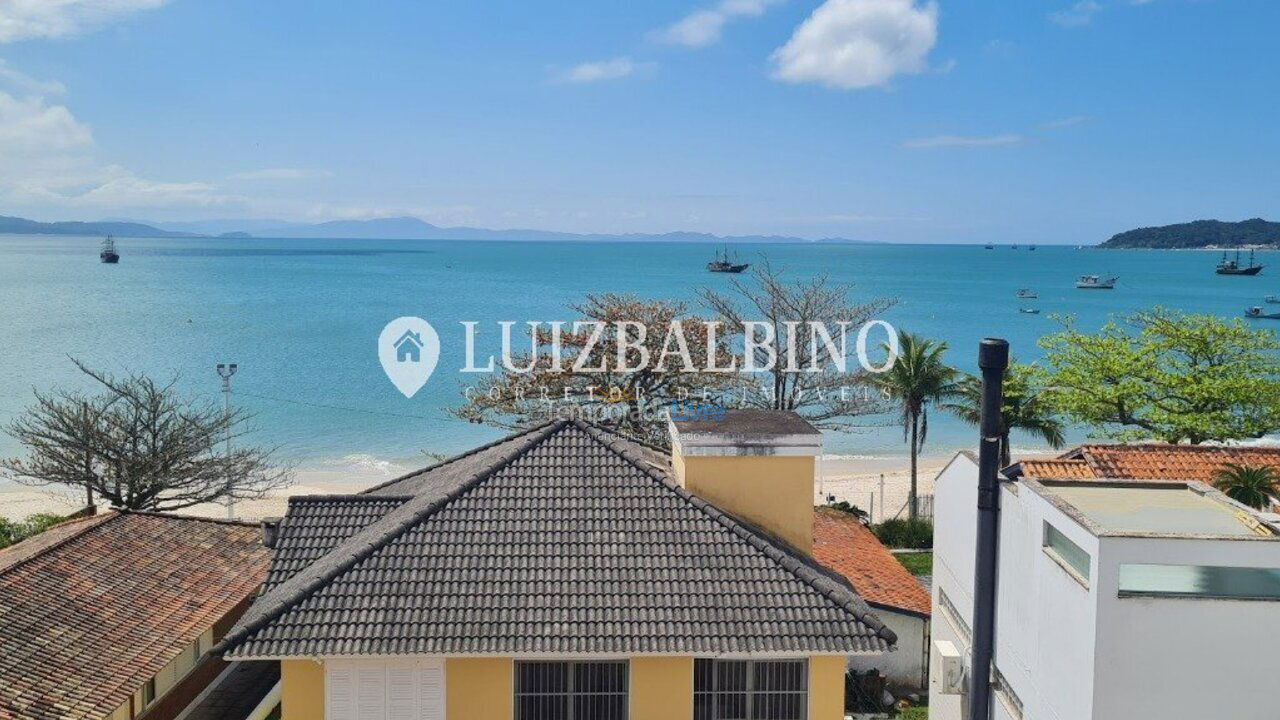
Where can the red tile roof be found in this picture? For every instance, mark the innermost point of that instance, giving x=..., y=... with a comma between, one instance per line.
x=90, y=612
x=845, y=545
x=1148, y=462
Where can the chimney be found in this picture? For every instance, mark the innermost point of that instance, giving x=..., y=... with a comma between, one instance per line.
x=270, y=532
x=757, y=465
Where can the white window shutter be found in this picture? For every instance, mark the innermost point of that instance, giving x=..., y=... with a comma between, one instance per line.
x=431, y=690
x=339, y=686
x=371, y=691
x=402, y=690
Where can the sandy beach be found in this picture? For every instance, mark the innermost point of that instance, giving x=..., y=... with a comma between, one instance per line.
x=879, y=485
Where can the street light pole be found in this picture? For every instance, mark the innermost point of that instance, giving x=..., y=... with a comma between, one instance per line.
x=225, y=372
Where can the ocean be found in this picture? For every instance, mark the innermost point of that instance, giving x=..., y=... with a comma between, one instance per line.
x=301, y=319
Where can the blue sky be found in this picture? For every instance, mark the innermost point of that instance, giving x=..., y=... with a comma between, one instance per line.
x=900, y=120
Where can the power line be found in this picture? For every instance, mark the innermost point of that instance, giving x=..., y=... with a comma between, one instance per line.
x=333, y=407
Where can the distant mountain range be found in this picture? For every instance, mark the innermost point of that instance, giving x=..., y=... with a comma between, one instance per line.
x=1200, y=234
x=394, y=228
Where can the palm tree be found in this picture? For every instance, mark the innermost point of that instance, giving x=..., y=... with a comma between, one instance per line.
x=1248, y=485
x=1025, y=408
x=917, y=378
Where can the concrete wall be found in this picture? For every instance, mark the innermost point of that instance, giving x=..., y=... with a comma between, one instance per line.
x=955, y=494
x=657, y=683
x=906, y=668
x=301, y=690
x=661, y=688
x=1186, y=657
x=772, y=492
x=478, y=688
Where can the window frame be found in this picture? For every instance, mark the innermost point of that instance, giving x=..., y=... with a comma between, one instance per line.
x=1063, y=561
x=750, y=692
x=569, y=694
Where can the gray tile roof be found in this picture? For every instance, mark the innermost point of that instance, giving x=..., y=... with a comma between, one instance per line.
x=562, y=539
x=315, y=524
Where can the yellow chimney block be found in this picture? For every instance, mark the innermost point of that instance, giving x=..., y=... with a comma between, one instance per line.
x=757, y=465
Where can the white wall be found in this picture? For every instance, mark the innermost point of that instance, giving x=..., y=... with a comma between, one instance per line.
x=1185, y=658
x=905, y=668
x=955, y=493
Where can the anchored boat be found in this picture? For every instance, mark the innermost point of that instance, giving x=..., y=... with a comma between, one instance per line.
x=1027, y=294
x=109, y=254
x=1233, y=267
x=1094, y=282
x=722, y=264
x=1256, y=312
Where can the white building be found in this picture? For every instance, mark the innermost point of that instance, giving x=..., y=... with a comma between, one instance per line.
x=1116, y=600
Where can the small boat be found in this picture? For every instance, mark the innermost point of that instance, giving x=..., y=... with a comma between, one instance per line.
x=1256, y=312
x=1233, y=267
x=109, y=254
x=1273, y=299
x=722, y=264
x=1093, y=282
x=1033, y=247
x=1029, y=311
x=1014, y=246
x=989, y=246
x=1027, y=294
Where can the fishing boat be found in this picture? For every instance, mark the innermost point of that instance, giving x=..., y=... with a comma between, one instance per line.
x=1256, y=312
x=109, y=254
x=722, y=264
x=1233, y=267
x=1029, y=311
x=1027, y=294
x=1093, y=282
x=1273, y=299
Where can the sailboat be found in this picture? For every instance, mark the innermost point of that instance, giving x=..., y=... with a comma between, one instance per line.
x=109, y=254
x=1233, y=267
x=722, y=264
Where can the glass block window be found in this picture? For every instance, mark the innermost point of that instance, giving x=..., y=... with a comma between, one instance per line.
x=1067, y=551
x=750, y=689
x=571, y=690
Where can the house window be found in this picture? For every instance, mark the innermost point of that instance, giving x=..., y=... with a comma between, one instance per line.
x=571, y=690
x=750, y=689
x=1207, y=581
x=1070, y=555
x=148, y=692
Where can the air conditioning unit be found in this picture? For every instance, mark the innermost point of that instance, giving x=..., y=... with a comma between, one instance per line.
x=948, y=674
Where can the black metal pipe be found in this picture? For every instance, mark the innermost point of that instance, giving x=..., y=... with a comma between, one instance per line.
x=993, y=360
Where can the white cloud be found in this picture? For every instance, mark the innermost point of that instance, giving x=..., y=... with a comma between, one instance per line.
x=19, y=81
x=25, y=19
x=123, y=189
x=703, y=27
x=613, y=69
x=30, y=127
x=282, y=174
x=944, y=141
x=1065, y=122
x=859, y=43
x=1078, y=15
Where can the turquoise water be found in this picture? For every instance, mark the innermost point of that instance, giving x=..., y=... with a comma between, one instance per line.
x=301, y=317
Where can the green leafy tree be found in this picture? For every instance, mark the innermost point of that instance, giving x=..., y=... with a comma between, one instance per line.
x=1026, y=407
x=1165, y=375
x=1246, y=484
x=917, y=378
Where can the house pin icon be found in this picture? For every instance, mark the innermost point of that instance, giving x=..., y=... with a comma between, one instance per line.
x=408, y=349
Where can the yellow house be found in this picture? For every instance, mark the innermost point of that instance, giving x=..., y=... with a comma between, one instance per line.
x=567, y=573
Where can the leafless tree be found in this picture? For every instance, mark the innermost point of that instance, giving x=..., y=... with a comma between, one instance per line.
x=629, y=392
x=138, y=445
x=804, y=378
